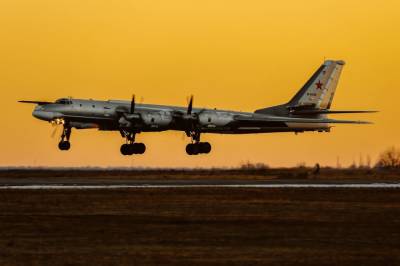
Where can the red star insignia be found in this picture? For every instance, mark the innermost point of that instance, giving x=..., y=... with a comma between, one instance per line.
x=319, y=85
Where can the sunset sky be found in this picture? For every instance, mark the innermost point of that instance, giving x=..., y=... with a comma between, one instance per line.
x=239, y=55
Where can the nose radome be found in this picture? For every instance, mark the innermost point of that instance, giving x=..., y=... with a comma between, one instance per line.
x=39, y=114
x=43, y=115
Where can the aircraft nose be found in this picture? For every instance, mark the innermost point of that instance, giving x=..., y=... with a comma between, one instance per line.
x=41, y=114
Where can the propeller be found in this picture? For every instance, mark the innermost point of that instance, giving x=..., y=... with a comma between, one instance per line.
x=132, y=104
x=53, y=134
x=190, y=105
x=189, y=120
x=128, y=117
x=56, y=124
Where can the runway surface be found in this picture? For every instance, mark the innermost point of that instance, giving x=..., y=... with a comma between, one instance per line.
x=199, y=220
x=96, y=183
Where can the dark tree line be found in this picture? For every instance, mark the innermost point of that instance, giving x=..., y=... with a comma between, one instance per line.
x=390, y=158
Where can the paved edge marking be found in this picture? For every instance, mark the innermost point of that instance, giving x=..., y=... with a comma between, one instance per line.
x=44, y=187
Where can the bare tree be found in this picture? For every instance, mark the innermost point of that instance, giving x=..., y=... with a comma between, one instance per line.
x=389, y=158
x=253, y=166
x=361, y=162
x=368, y=161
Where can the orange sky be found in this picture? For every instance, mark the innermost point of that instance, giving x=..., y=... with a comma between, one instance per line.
x=240, y=55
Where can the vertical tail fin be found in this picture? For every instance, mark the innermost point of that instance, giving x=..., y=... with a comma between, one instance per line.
x=318, y=91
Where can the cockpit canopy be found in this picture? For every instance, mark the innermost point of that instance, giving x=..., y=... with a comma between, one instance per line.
x=64, y=101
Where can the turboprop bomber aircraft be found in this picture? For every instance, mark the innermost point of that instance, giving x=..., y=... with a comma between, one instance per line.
x=306, y=111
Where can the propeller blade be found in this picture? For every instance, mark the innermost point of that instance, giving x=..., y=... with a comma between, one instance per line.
x=53, y=134
x=133, y=104
x=190, y=105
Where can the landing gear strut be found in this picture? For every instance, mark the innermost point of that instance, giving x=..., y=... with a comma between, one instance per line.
x=64, y=144
x=130, y=147
x=197, y=147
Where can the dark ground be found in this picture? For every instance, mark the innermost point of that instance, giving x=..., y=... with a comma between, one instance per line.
x=299, y=173
x=189, y=226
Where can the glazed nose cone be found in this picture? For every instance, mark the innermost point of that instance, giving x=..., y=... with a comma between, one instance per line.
x=43, y=115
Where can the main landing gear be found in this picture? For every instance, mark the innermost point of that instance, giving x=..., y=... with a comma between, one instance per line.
x=64, y=144
x=197, y=147
x=130, y=147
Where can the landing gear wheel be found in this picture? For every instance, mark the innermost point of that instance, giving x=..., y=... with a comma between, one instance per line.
x=139, y=148
x=192, y=149
x=64, y=145
x=205, y=147
x=126, y=149
x=189, y=149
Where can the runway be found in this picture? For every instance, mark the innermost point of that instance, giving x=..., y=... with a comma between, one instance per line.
x=199, y=219
x=94, y=183
x=348, y=186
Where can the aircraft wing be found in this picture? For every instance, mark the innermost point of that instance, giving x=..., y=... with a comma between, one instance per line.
x=35, y=102
x=261, y=119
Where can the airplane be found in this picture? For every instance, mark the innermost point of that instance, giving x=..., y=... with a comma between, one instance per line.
x=306, y=111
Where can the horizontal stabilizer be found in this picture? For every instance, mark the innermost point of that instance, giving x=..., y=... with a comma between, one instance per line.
x=334, y=121
x=317, y=112
x=35, y=102
x=297, y=120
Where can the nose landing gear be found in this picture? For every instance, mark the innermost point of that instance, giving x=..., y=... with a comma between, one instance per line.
x=64, y=144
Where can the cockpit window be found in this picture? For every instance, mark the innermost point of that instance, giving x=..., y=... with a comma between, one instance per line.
x=64, y=101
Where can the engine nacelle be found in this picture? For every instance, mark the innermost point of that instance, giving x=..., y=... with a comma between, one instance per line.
x=124, y=123
x=215, y=119
x=157, y=119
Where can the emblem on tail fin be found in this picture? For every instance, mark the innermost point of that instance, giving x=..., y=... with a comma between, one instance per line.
x=319, y=85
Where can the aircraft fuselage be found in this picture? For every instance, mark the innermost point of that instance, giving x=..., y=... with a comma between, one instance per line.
x=105, y=115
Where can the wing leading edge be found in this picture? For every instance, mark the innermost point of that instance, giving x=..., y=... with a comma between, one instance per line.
x=35, y=102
